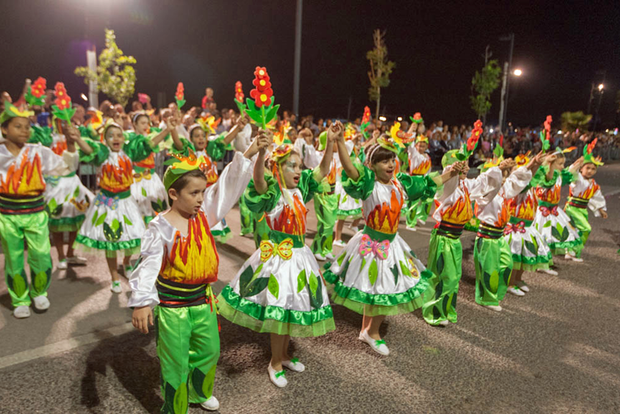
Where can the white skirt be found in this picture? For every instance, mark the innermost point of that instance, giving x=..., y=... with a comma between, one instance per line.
x=150, y=194
x=67, y=200
x=557, y=231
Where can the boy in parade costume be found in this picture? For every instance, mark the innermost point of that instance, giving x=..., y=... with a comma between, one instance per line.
x=492, y=254
x=178, y=263
x=585, y=193
x=551, y=221
x=113, y=222
x=23, y=218
x=377, y=274
x=453, y=211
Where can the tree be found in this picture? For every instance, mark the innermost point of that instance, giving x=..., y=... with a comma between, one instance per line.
x=115, y=75
x=482, y=86
x=380, y=68
x=575, y=120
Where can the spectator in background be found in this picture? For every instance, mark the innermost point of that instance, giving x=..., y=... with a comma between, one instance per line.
x=207, y=100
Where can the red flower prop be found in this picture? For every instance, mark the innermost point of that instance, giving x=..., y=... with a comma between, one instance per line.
x=261, y=109
x=472, y=142
x=590, y=146
x=239, y=97
x=417, y=118
x=365, y=122
x=546, y=133
x=180, y=95
x=62, y=107
x=36, y=92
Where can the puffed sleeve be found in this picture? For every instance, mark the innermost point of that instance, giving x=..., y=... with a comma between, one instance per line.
x=597, y=202
x=138, y=148
x=311, y=157
x=88, y=132
x=187, y=147
x=216, y=149
x=243, y=140
x=41, y=135
x=362, y=188
x=98, y=156
x=448, y=188
x=417, y=186
x=143, y=278
x=516, y=182
x=485, y=187
x=308, y=184
x=224, y=194
x=568, y=176
x=261, y=203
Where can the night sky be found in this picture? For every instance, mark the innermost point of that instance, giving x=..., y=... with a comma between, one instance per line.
x=437, y=47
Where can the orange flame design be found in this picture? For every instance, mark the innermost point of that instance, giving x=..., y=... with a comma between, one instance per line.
x=291, y=220
x=549, y=195
x=209, y=168
x=384, y=217
x=25, y=180
x=192, y=259
x=588, y=193
x=524, y=210
x=116, y=178
x=503, y=216
x=331, y=177
x=59, y=147
x=148, y=162
x=422, y=168
x=461, y=211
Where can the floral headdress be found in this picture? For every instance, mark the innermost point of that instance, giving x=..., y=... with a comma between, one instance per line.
x=381, y=143
x=181, y=164
x=36, y=93
x=400, y=137
x=588, y=158
x=421, y=138
x=62, y=107
x=349, y=132
x=523, y=159
x=109, y=123
x=11, y=111
x=208, y=123
x=261, y=108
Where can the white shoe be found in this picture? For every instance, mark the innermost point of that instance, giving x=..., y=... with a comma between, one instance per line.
x=319, y=257
x=378, y=346
x=495, y=308
x=577, y=259
x=339, y=243
x=294, y=365
x=277, y=377
x=422, y=222
x=444, y=323
x=410, y=228
x=330, y=256
x=21, y=312
x=548, y=271
x=116, y=287
x=515, y=291
x=41, y=303
x=78, y=260
x=524, y=287
x=212, y=404
x=62, y=265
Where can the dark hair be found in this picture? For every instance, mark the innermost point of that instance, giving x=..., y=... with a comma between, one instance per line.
x=182, y=181
x=6, y=123
x=380, y=154
x=138, y=115
x=192, y=132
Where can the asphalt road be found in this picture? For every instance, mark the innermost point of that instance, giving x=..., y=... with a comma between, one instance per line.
x=556, y=350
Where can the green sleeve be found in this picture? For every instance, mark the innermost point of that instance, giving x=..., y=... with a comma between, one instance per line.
x=540, y=178
x=187, y=147
x=417, y=186
x=362, y=188
x=216, y=149
x=308, y=185
x=567, y=176
x=262, y=203
x=88, y=132
x=138, y=148
x=98, y=156
x=41, y=135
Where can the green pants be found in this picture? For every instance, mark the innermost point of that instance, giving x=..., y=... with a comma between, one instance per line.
x=493, y=262
x=418, y=211
x=32, y=228
x=579, y=220
x=188, y=347
x=325, y=206
x=444, y=260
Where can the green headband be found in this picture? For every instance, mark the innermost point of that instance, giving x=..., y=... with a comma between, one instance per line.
x=11, y=111
x=180, y=165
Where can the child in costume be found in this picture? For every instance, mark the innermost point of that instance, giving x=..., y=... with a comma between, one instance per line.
x=147, y=188
x=279, y=289
x=585, y=193
x=419, y=164
x=23, y=218
x=178, y=263
x=114, y=221
x=377, y=274
x=492, y=254
x=453, y=211
x=348, y=207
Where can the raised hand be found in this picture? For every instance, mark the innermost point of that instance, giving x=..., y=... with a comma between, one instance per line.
x=335, y=132
x=507, y=164
x=536, y=161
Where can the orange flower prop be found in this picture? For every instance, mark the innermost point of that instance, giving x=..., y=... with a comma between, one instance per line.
x=180, y=95
x=417, y=118
x=365, y=122
x=468, y=148
x=261, y=108
x=239, y=97
x=36, y=92
x=62, y=107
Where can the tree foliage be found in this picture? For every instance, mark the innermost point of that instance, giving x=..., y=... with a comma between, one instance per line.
x=572, y=121
x=380, y=68
x=482, y=86
x=115, y=75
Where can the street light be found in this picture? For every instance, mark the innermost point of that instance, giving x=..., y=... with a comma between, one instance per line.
x=400, y=118
x=517, y=72
x=382, y=119
x=601, y=87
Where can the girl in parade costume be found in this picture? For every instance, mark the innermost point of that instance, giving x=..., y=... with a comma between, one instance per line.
x=453, y=211
x=213, y=150
x=348, y=207
x=419, y=164
x=279, y=289
x=585, y=193
x=529, y=249
x=492, y=253
x=377, y=274
x=178, y=263
x=113, y=222
x=147, y=188
x=22, y=207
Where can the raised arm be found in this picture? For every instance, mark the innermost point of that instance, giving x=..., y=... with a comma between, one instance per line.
x=337, y=132
x=176, y=140
x=259, y=168
x=239, y=125
x=328, y=155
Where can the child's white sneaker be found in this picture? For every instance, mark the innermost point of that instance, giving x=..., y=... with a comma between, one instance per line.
x=116, y=287
x=410, y=228
x=330, y=256
x=21, y=312
x=422, y=222
x=339, y=243
x=277, y=377
x=62, y=265
x=515, y=291
x=377, y=345
x=495, y=308
x=212, y=404
x=294, y=365
x=319, y=257
x=77, y=260
x=524, y=287
x=41, y=303
x=548, y=271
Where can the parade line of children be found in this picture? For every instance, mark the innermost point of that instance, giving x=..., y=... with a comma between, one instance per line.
x=174, y=222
